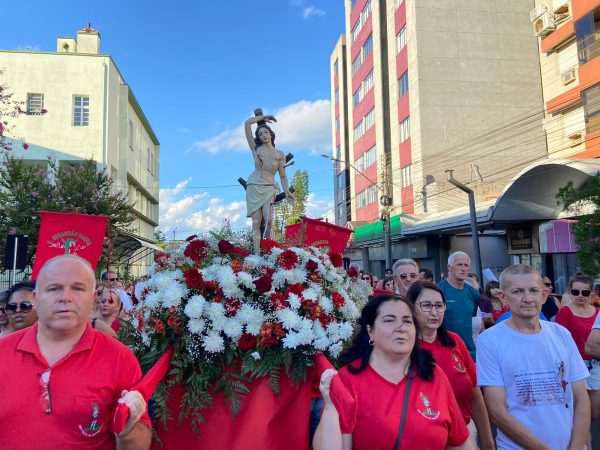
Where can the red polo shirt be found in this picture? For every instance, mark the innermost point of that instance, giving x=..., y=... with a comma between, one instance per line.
x=433, y=419
x=84, y=388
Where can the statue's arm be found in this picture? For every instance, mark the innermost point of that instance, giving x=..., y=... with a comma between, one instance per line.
x=283, y=177
x=248, y=128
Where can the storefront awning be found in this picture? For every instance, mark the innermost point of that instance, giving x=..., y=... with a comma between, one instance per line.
x=374, y=231
x=127, y=249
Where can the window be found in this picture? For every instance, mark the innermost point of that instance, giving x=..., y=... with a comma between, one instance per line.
x=359, y=131
x=401, y=39
x=356, y=29
x=405, y=129
x=367, y=46
x=35, y=103
x=370, y=157
x=149, y=161
x=403, y=84
x=338, y=152
x=591, y=108
x=370, y=119
x=131, y=134
x=81, y=111
x=337, y=123
x=587, y=33
x=335, y=67
x=362, y=19
x=367, y=196
x=367, y=84
x=340, y=181
x=358, y=96
x=407, y=176
x=356, y=63
x=337, y=95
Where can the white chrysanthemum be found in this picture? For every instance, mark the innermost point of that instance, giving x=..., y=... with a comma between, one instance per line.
x=194, y=307
x=245, y=279
x=349, y=310
x=253, y=327
x=196, y=326
x=302, y=254
x=151, y=300
x=346, y=330
x=216, y=314
x=289, y=318
x=247, y=313
x=321, y=343
x=291, y=340
x=333, y=331
x=255, y=355
x=145, y=339
x=306, y=334
x=336, y=349
x=254, y=261
x=233, y=329
x=139, y=288
x=226, y=276
x=210, y=273
x=294, y=301
x=213, y=342
x=311, y=293
x=172, y=295
x=326, y=303
x=219, y=323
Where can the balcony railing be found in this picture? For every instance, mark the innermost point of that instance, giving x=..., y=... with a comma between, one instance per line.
x=589, y=48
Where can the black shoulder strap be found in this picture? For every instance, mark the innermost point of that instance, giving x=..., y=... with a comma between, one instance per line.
x=404, y=407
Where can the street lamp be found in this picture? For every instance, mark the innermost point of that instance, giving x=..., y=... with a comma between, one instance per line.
x=385, y=201
x=473, y=214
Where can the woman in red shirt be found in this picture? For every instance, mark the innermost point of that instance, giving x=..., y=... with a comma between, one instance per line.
x=451, y=355
x=578, y=317
x=492, y=291
x=395, y=396
x=109, y=307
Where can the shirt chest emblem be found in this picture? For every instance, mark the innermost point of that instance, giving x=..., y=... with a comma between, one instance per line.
x=457, y=363
x=94, y=427
x=427, y=412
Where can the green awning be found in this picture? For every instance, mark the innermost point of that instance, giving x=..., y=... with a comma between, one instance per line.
x=374, y=231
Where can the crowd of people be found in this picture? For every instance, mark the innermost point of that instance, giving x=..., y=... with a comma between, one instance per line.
x=522, y=364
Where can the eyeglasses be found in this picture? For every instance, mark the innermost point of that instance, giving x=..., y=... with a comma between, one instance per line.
x=45, y=384
x=112, y=279
x=411, y=275
x=575, y=292
x=548, y=284
x=366, y=278
x=427, y=307
x=11, y=308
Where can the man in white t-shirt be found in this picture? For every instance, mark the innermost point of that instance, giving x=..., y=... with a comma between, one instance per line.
x=531, y=372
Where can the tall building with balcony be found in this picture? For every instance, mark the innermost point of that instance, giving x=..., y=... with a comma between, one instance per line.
x=569, y=32
x=429, y=87
x=92, y=113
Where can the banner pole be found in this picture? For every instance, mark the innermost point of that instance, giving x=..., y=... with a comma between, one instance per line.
x=14, y=267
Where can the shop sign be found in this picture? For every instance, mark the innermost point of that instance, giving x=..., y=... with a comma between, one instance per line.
x=520, y=238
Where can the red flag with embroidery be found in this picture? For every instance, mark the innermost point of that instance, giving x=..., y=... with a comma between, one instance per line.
x=69, y=233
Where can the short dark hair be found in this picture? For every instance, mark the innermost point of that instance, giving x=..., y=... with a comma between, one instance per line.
x=104, y=275
x=23, y=286
x=491, y=285
x=413, y=294
x=427, y=274
x=420, y=360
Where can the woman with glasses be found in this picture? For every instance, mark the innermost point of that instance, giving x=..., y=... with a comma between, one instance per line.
x=499, y=306
x=578, y=317
x=394, y=394
x=5, y=328
x=366, y=276
x=452, y=356
x=20, y=308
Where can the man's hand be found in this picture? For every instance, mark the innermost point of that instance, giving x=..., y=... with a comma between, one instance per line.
x=137, y=407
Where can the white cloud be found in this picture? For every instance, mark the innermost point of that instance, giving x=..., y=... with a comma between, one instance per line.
x=188, y=214
x=319, y=207
x=311, y=11
x=304, y=125
x=29, y=47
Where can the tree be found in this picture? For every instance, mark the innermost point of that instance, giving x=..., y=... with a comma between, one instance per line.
x=25, y=190
x=286, y=214
x=584, y=201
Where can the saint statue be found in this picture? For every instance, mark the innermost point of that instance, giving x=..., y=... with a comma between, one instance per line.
x=261, y=187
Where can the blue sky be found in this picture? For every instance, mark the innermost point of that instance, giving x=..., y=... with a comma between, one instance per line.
x=199, y=69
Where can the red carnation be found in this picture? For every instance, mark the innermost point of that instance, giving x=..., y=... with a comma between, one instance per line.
x=311, y=265
x=263, y=284
x=288, y=259
x=225, y=247
x=271, y=334
x=193, y=278
x=240, y=251
x=246, y=342
x=197, y=250
x=268, y=244
x=336, y=259
x=159, y=326
x=278, y=301
x=352, y=272
x=297, y=289
x=338, y=299
x=232, y=305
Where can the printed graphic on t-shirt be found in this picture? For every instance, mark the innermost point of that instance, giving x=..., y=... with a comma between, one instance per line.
x=427, y=412
x=542, y=386
x=457, y=363
x=94, y=427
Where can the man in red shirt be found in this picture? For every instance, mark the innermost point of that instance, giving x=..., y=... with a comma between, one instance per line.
x=62, y=380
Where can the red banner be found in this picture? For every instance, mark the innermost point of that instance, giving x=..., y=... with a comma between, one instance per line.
x=69, y=233
x=319, y=232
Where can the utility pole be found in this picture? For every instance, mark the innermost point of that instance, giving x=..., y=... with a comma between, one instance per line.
x=386, y=202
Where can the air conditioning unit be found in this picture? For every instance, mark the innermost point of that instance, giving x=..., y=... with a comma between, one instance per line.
x=537, y=12
x=544, y=25
x=575, y=138
x=568, y=76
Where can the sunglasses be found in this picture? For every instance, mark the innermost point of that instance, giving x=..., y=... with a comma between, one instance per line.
x=584, y=292
x=45, y=385
x=405, y=275
x=113, y=279
x=11, y=308
x=548, y=284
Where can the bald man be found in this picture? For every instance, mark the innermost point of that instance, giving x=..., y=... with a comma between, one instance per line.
x=61, y=379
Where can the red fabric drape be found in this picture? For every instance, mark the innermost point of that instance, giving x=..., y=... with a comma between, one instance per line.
x=316, y=231
x=69, y=233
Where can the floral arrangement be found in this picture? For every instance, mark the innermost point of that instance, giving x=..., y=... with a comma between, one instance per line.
x=233, y=317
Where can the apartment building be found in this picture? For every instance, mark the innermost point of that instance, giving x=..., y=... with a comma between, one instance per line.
x=569, y=44
x=91, y=113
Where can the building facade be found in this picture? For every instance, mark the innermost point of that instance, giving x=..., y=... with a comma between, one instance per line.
x=91, y=113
